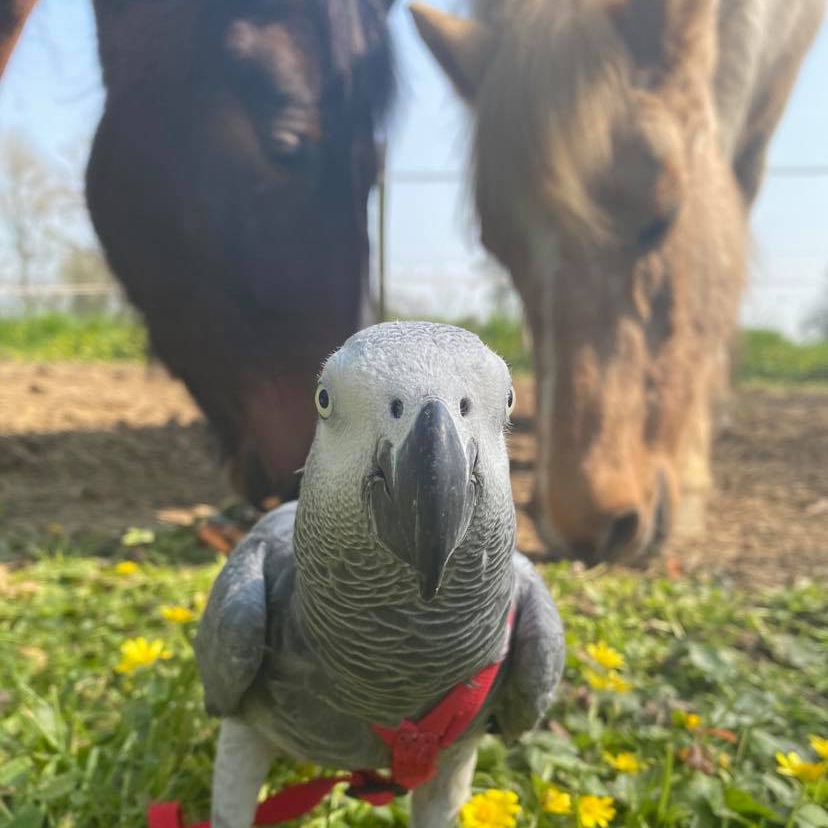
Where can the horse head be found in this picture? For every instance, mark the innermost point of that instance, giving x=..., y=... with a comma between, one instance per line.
x=601, y=186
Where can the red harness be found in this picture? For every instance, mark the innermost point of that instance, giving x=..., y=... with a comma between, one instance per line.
x=415, y=747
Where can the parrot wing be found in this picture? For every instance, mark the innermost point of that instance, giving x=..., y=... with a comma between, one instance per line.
x=536, y=659
x=243, y=605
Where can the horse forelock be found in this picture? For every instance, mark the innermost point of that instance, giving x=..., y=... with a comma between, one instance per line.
x=553, y=95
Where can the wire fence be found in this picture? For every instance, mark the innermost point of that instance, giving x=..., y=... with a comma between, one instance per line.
x=467, y=286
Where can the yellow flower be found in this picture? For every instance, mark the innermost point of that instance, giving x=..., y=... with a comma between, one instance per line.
x=605, y=655
x=617, y=684
x=792, y=765
x=820, y=746
x=613, y=682
x=595, y=810
x=138, y=652
x=692, y=721
x=724, y=760
x=595, y=680
x=492, y=809
x=126, y=568
x=180, y=615
x=557, y=802
x=623, y=762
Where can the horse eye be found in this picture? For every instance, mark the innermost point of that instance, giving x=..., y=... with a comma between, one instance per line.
x=323, y=403
x=654, y=233
x=290, y=148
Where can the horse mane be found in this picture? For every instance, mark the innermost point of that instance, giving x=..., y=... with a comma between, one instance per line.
x=360, y=50
x=556, y=88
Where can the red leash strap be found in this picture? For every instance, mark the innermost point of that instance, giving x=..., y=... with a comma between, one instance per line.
x=415, y=747
x=291, y=802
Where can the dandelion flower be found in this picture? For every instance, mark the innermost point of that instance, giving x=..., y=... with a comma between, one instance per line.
x=605, y=655
x=126, y=568
x=819, y=745
x=138, y=652
x=623, y=762
x=692, y=721
x=556, y=801
x=595, y=810
x=792, y=765
x=492, y=809
x=179, y=615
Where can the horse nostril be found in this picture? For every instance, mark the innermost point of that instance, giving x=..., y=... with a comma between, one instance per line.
x=622, y=530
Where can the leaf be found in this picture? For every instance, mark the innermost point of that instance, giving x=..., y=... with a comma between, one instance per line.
x=137, y=537
x=58, y=786
x=13, y=769
x=724, y=734
x=812, y=816
x=742, y=802
x=768, y=744
x=214, y=538
x=29, y=816
x=715, y=663
x=698, y=758
x=780, y=788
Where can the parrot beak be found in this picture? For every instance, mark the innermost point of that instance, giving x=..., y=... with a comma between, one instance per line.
x=423, y=496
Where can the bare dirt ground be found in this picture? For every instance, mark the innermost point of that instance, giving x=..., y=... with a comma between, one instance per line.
x=97, y=448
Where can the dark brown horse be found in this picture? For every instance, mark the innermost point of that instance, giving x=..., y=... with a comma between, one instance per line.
x=228, y=184
x=13, y=14
x=618, y=148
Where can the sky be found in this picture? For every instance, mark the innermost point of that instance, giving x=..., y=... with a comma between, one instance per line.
x=51, y=94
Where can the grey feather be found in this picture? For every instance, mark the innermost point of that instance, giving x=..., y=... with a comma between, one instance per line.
x=317, y=628
x=536, y=659
x=230, y=643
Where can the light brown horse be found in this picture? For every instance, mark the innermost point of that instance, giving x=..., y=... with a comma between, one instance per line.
x=619, y=145
x=228, y=184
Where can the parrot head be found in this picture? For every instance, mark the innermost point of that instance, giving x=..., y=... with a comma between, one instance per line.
x=411, y=428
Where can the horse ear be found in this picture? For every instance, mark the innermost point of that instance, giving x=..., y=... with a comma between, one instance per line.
x=667, y=35
x=464, y=48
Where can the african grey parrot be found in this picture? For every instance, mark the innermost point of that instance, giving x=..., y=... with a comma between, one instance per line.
x=391, y=581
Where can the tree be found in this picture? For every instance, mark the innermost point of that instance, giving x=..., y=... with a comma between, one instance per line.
x=38, y=210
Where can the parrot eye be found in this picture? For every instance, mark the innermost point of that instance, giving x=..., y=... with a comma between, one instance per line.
x=323, y=403
x=396, y=408
x=465, y=406
x=510, y=401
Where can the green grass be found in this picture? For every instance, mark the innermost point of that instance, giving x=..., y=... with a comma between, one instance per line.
x=504, y=336
x=768, y=356
x=84, y=746
x=60, y=336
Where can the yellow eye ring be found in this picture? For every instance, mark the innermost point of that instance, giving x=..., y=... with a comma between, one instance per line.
x=511, y=399
x=324, y=404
